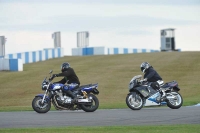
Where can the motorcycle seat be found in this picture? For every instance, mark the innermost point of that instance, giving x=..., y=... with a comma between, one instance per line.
x=168, y=84
x=84, y=86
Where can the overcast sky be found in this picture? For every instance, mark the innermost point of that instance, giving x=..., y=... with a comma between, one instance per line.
x=28, y=24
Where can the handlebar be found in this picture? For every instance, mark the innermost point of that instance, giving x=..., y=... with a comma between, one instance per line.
x=51, y=78
x=143, y=81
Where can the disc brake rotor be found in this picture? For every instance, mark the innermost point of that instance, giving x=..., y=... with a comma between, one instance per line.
x=40, y=105
x=135, y=103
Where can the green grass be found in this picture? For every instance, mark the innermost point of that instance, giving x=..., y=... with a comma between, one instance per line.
x=110, y=129
x=112, y=72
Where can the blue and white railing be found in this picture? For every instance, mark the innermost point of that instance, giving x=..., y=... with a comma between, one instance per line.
x=14, y=62
x=129, y=50
x=107, y=51
x=35, y=56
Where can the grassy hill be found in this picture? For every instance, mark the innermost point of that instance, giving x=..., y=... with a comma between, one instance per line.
x=112, y=72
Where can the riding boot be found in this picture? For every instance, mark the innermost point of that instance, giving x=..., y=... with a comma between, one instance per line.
x=74, y=97
x=163, y=96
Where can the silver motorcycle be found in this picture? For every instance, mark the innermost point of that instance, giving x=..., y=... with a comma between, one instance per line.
x=140, y=91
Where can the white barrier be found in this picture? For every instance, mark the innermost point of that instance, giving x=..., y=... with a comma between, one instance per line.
x=4, y=64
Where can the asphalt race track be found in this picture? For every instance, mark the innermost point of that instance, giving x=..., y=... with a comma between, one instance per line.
x=101, y=117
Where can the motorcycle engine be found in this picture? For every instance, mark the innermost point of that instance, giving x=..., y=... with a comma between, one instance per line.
x=62, y=99
x=67, y=99
x=59, y=95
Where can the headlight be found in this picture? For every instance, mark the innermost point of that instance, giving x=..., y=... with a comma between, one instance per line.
x=131, y=85
x=44, y=87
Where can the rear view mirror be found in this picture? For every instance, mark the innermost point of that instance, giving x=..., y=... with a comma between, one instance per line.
x=50, y=71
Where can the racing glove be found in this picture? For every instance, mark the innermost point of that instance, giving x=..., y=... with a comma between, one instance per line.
x=145, y=79
x=55, y=75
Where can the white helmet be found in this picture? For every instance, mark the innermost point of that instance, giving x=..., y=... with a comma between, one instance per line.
x=144, y=66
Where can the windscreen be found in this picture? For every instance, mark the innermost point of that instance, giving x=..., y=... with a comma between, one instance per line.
x=135, y=77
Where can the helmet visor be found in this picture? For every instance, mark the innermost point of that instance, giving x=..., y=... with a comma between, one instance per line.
x=142, y=68
x=61, y=67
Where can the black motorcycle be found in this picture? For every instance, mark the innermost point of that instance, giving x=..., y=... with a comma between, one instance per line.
x=87, y=100
x=140, y=91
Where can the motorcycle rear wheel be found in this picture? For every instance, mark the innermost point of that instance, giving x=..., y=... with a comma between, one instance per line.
x=175, y=103
x=39, y=107
x=134, y=104
x=94, y=104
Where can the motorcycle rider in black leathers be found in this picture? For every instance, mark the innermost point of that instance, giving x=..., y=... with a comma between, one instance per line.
x=151, y=75
x=70, y=78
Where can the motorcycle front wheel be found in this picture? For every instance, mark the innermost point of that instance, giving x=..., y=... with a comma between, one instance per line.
x=92, y=106
x=39, y=107
x=134, y=103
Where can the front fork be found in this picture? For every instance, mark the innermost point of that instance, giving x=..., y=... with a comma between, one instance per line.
x=45, y=93
x=44, y=96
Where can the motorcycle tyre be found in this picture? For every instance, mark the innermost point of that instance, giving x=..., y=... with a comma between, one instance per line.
x=95, y=99
x=175, y=107
x=131, y=107
x=39, y=110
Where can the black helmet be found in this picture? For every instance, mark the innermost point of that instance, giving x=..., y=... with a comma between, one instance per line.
x=65, y=66
x=144, y=66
